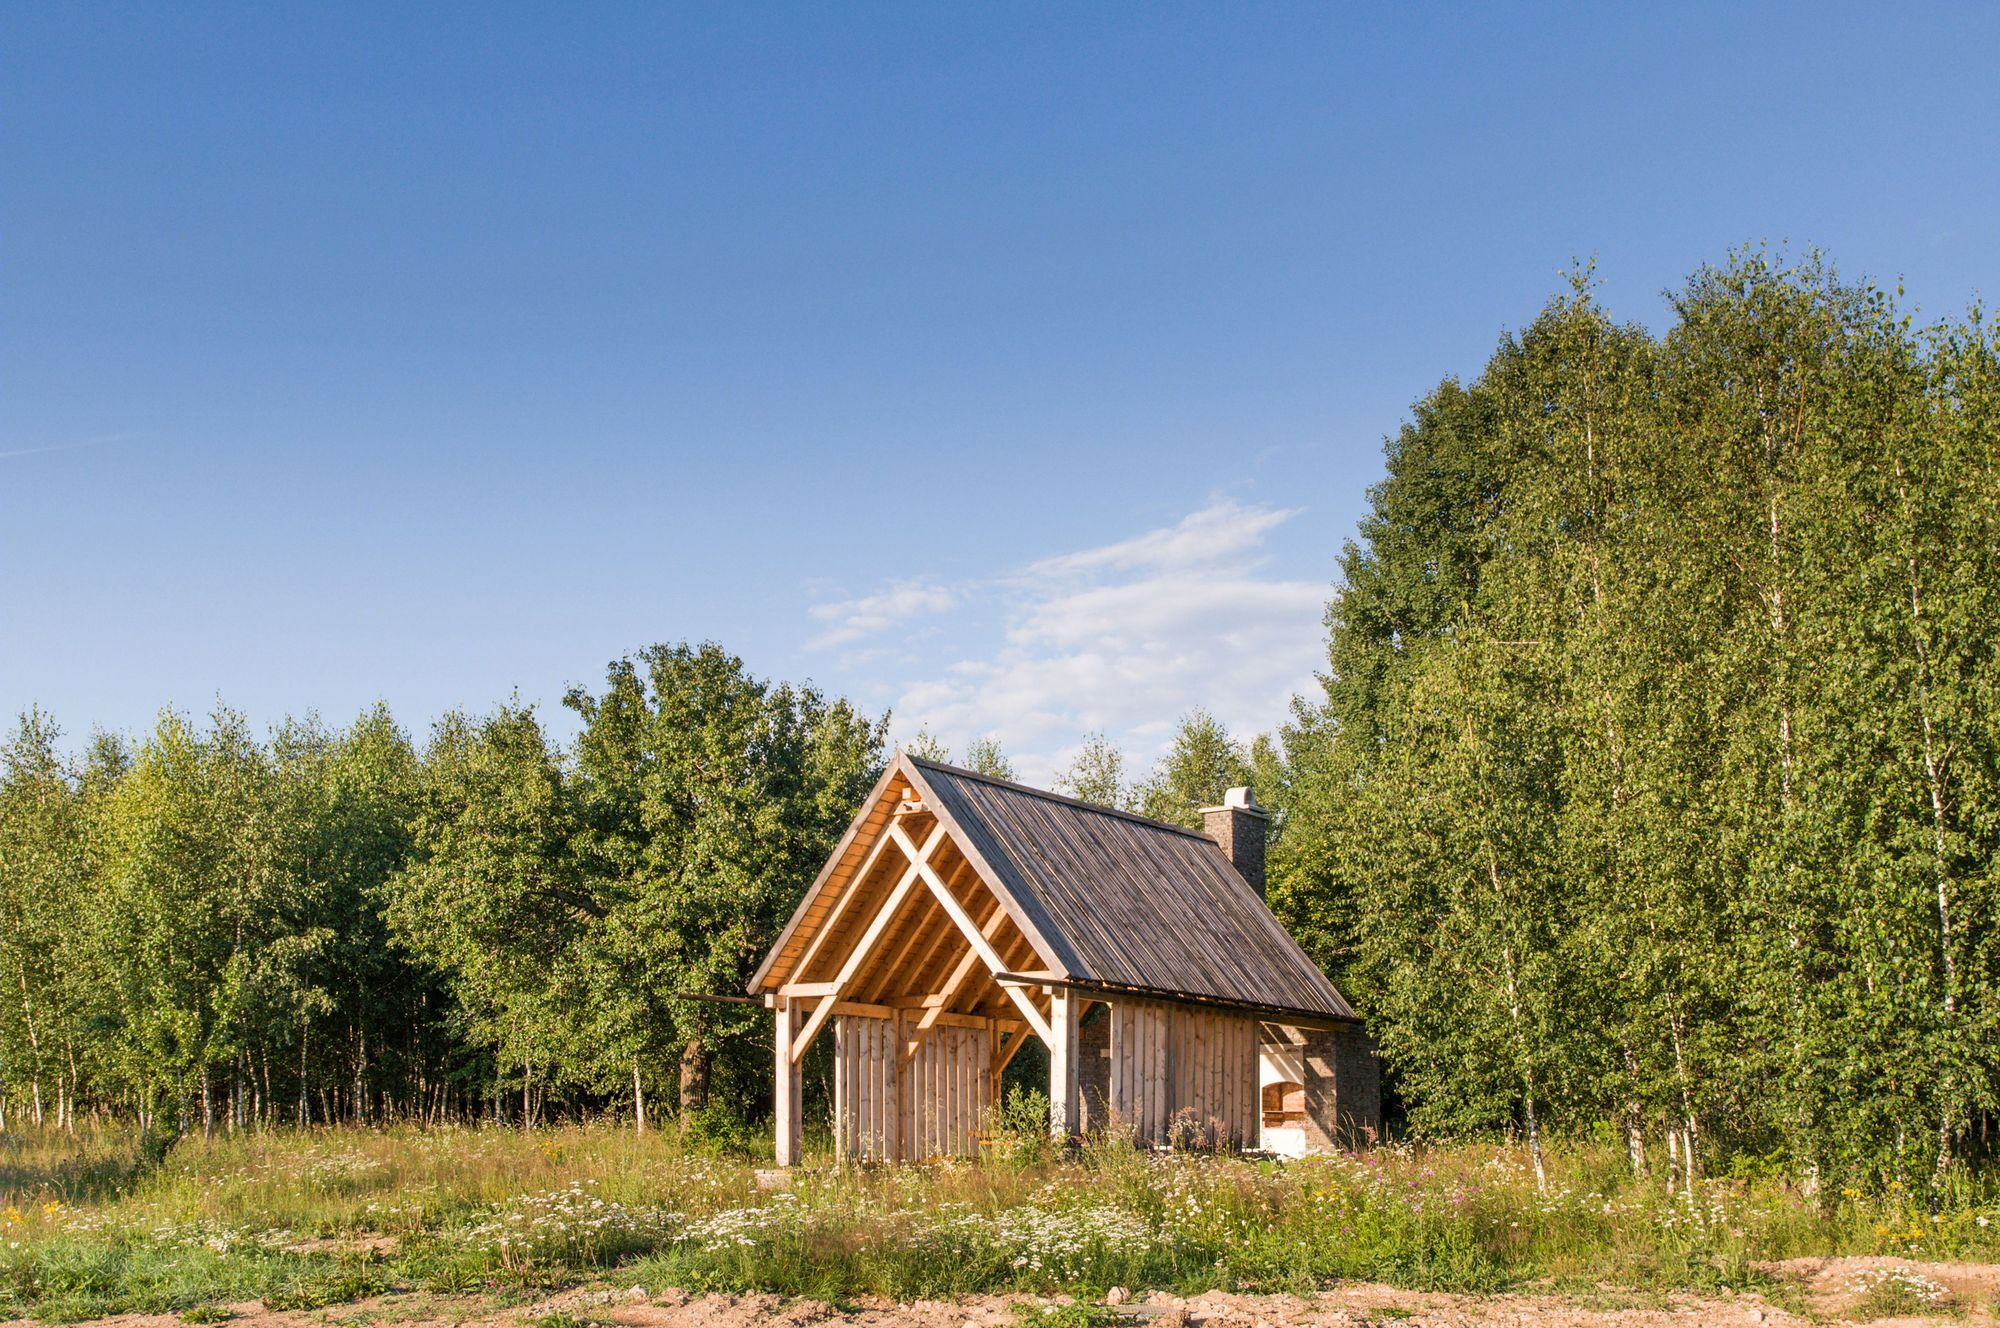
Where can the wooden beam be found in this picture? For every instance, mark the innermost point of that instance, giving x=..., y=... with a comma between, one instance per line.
x=808, y=989
x=789, y=1085
x=949, y=991
x=876, y=927
x=1112, y=991
x=923, y=936
x=919, y=973
x=870, y=1011
x=1003, y=1058
x=1065, y=1066
x=944, y=896
x=884, y=979
x=855, y=885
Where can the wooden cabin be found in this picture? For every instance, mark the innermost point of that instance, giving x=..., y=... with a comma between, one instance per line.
x=962, y=915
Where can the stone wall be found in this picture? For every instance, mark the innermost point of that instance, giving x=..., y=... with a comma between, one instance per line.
x=1343, y=1089
x=1094, y=1067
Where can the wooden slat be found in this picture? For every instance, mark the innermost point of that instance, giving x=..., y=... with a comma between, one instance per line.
x=1158, y=1076
x=864, y=1119
x=919, y=854
x=860, y=953
x=827, y=924
x=776, y=966
x=842, y=1096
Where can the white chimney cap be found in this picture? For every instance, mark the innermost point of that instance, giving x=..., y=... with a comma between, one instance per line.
x=1240, y=796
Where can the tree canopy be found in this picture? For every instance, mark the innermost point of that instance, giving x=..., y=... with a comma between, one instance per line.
x=1658, y=730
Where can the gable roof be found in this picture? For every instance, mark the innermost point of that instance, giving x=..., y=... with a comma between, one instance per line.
x=1109, y=899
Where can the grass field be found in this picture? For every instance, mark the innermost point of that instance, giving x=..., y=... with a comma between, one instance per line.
x=111, y=1222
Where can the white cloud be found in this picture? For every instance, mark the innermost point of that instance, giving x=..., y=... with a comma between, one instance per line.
x=1123, y=638
x=852, y=619
x=1219, y=532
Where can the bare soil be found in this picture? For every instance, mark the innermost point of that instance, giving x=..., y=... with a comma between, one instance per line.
x=1803, y=1292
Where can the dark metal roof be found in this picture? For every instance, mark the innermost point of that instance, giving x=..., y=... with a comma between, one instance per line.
x=1125, y=901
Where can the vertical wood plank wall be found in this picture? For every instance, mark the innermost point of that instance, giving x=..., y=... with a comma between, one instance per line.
x=889, y=1109
x=1166, y=1058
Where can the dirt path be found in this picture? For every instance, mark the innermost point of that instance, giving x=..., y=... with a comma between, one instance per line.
x=1806, y=1292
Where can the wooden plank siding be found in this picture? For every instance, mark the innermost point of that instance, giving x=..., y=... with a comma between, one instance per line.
x=1166, y=1059
x=887, y=1109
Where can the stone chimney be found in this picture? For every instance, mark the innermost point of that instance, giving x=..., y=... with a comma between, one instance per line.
x=1238, y=825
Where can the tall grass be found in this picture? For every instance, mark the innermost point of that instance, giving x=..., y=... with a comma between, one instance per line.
x=112, y=1222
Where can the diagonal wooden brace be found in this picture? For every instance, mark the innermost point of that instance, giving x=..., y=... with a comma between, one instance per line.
x=967, y=964
x=982, y=947
x=876, y=927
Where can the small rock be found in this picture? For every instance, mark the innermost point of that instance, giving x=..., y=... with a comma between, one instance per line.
x=1756, y=1315
x=1116, y=1296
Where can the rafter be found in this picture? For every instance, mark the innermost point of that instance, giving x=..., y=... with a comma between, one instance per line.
x=919, y=933
x=949, y=991
x=936, y=958
x=856, y=884
x=920, y=858
x=876, y=927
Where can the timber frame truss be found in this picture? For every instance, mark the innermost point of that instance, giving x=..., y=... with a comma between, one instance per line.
x=915, y=933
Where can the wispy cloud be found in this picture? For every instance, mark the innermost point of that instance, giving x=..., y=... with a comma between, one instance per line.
x=850, y=620
x=1221, y=532
x=1121, y=638
x=65, y=447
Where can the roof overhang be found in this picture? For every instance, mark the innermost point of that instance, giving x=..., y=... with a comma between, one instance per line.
x=1276, y=1014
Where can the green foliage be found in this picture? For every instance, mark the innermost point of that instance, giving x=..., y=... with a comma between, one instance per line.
x=1203, y=763
x=212, y=931
x=1019, y=1127
x=195, y=923
x=708, y=799
x=928, y=746
x=320, y=1218
x=1075, y=1314
x=1654, y=777
x=1652, y=796
x=1096, y=774
x=560, y=1319
x=986, y=756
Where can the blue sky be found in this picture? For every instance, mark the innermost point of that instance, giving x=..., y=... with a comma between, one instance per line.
x=1019, y=367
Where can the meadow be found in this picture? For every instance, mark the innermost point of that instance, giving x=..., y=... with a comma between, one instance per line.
x=110, y=1221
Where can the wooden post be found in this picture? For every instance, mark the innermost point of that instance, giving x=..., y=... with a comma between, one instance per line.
x=1065, y=1090
x=843, y=1091
x=789, y=1083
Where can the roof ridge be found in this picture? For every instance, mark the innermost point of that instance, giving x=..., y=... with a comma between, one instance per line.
x=1049, y=795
